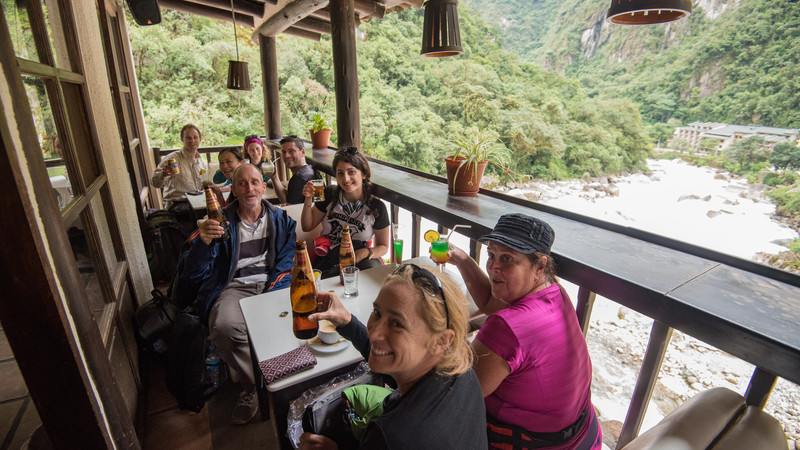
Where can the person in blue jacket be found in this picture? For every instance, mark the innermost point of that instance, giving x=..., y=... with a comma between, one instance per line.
x=257, y=258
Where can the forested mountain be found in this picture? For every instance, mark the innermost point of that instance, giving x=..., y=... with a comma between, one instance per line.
x=410, y=105
x=732, y=61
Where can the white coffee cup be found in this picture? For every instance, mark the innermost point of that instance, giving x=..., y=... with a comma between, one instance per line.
x=327, y=332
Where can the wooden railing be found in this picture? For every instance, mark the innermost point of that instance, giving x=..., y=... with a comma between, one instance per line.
x=746, y=309
x=749, y=310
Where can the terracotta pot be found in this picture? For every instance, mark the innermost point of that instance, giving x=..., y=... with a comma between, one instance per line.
x=467, y=183
x=320, y=139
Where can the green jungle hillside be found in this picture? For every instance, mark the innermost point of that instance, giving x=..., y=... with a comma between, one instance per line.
x=411, y=106
x=731, y=61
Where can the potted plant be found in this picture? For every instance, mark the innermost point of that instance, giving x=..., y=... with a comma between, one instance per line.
x=475, y=149
x=320, y=127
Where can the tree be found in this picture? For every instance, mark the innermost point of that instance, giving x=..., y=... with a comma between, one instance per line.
x=785, y=155
x=748, y=151
x=679, y=144
x=708, y=144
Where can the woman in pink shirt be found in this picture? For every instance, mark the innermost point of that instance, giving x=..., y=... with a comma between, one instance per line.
x=530, y=355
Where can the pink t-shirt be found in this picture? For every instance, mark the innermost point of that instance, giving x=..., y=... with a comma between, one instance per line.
x=549, y=384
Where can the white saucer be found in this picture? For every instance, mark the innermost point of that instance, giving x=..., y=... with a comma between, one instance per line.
x=317, y=345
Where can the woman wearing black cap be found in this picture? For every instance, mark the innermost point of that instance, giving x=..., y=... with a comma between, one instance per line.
x=531, y=357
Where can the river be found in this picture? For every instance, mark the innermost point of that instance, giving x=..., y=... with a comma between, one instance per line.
x=699, y=205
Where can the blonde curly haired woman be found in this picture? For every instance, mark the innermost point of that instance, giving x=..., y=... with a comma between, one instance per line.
x=417, y=335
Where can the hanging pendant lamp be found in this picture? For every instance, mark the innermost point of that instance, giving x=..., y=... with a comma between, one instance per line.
x=645, y=12
x=440, y=33
x=238, y=76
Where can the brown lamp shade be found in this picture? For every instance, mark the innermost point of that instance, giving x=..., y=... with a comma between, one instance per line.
x=644, y=12
x=238, y=77
x=440, y=33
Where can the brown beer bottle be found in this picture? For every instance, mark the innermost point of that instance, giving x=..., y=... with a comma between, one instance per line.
x=347, y=256
x=303, y=293
x=215, y=212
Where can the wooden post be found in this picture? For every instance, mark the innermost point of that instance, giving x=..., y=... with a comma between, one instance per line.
x=272, y=106
x=343, y=26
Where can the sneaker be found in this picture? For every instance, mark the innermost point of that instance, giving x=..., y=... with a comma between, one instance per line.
x=246, y=407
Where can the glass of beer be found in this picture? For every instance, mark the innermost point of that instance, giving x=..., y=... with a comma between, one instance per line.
x=319, y=190
x=173, y=164
x=267, y=167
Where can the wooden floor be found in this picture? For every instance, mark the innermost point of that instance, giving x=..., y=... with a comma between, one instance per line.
x=167, y=427
x=164, y=426
x=18, y=416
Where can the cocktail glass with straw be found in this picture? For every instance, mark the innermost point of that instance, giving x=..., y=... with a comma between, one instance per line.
x=440, y=247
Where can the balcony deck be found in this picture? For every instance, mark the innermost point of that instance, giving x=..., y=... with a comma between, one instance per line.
x=743, y=308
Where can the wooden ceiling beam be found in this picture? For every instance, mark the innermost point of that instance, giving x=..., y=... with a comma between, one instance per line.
x=292, y=13
x=294, y=31
x=369, y=8
x=207, y=11
x=244, y=6
x=321, y=14
x=315, y=25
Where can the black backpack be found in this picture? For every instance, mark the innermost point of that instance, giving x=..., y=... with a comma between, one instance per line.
x=163, y=240
x=186, y=377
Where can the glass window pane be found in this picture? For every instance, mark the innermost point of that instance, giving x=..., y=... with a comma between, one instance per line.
x=49, y=141
x=55, y=35
x=120, y=52
x=20, y=29
x=104, y=227
x=132, y=131
x=79, y=243
x=81, y=135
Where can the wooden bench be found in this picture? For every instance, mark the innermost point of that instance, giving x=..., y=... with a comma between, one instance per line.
x=714, y=419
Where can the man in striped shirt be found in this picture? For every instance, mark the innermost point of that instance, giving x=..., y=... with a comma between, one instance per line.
x=257, y=258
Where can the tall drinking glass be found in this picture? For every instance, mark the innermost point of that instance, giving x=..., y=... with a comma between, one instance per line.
x=439, y=249
x=397, y=244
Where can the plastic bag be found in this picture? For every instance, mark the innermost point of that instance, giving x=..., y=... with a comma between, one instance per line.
x=323, y=402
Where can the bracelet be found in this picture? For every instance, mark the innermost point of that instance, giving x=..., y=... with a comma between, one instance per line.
x=369, y=255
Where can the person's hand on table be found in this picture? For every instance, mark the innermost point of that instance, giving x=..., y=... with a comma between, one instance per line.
x=316, y=441
x=210, y=229
x=336, y=313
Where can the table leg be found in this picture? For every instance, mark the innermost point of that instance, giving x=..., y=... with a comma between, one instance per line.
x=261, y=387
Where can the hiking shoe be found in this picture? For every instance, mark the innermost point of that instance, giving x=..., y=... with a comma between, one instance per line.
x=246, y=407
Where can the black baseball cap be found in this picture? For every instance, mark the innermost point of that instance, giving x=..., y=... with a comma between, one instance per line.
x=522, y=233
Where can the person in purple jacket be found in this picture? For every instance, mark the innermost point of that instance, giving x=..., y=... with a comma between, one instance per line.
x=530, y=355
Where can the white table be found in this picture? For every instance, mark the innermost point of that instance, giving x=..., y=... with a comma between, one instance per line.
x=271, y=335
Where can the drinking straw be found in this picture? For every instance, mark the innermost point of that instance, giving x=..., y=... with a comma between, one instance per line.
x=454, y=229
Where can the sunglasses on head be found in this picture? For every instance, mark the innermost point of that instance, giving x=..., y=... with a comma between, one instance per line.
x=426, y=280
x=252, y=136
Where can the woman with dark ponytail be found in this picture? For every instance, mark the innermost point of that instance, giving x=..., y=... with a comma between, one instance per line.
x=351, y=203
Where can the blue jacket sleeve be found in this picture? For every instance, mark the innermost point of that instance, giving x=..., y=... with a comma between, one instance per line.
x=197, y=262
x=281, y=275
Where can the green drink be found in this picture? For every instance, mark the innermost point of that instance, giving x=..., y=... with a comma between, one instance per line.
x=439, y=249
x=398, y=251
